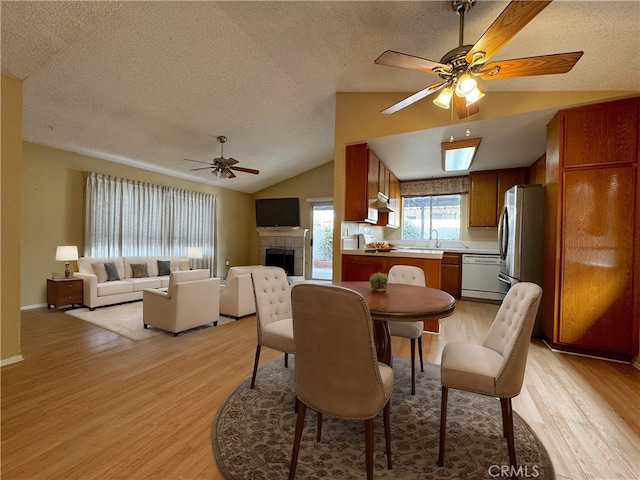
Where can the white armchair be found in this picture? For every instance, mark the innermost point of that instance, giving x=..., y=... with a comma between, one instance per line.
x=236, y=297
x=191, y=300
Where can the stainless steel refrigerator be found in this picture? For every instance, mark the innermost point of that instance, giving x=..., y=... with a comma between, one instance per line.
x=521, y=239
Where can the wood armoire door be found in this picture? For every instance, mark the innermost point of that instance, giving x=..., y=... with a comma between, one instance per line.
x=596, y=295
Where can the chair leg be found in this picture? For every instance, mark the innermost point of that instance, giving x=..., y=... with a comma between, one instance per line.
x=368, y=446
x=387, y=432
x=503, y=406
x=255, y=366
x=413, y=366
x=420, y=352
x=286, y=360
x=507, y=421
x=302, y=409
x=319, y=428
x=443, y=424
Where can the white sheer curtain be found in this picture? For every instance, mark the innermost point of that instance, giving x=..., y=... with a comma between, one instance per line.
x=128, y=217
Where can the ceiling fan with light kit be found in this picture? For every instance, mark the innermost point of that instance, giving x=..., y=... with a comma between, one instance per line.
x=460, y=68
x=222, y=167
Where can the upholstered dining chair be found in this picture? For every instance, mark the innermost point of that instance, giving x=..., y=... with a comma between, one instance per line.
x=495, y=368
x=337, y=372
x=409, y=275
x=273, y=313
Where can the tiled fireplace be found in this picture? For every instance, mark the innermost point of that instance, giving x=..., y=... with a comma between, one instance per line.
x=282, y=245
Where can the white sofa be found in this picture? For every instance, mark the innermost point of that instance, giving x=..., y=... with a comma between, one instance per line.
x=191, y=300
x=100, y=291
x=236, y=297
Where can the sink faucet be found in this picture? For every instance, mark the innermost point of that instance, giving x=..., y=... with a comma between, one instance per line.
x=438, y=245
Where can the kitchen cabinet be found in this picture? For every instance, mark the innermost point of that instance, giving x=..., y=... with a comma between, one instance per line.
x=395, y=201
x=451, y=273
x=360, y=267
x=391, y=219
x=361, y=184
x=486, y=194
x=483, y=199
x=591, y=300
x=383, y=179
x=366, y=176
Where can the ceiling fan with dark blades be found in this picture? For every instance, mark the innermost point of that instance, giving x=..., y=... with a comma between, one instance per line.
x=222, y=167
x=460, y=67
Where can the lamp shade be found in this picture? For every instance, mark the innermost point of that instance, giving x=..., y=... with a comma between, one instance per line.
x=194, y=252
x=444, y=99
x=66, y=253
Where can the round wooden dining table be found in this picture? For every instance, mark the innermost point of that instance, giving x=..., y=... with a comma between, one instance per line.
x=400, y=303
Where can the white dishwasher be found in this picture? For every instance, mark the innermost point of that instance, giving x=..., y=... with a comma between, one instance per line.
x=480, y=277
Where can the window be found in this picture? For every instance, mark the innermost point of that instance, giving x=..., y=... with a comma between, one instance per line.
x=420, y=215
x=127, y=217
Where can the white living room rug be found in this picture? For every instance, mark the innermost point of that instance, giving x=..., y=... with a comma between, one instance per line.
x=124, y=319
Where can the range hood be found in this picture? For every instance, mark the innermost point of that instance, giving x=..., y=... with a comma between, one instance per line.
x=383, y=204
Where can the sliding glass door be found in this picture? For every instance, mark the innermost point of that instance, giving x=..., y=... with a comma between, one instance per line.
x=322, y=241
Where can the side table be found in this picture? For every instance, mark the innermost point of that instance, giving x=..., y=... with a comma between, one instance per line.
x=64, y=291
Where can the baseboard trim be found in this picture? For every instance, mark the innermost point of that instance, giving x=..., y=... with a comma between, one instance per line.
x=636, y=362
x=10, y=360
x=555, y=350
x=32, y=307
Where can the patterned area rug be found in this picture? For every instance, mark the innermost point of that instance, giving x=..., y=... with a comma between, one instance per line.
x=252, y=434
x=124, y=319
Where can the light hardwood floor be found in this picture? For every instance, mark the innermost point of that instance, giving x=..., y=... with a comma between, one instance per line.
x=89, y=404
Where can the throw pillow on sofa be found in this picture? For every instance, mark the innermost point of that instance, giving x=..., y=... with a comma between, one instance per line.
x=100, y=272
x=112, y=271
x=139, y=270
x=164, y=267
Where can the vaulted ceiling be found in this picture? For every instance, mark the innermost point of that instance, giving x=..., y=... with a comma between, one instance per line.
x=151, y=83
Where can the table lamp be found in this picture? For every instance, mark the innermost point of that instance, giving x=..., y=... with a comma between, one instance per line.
x=66, y=253
x=194, y=253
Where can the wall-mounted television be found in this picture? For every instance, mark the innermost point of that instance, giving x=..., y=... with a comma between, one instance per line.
x=277, y=212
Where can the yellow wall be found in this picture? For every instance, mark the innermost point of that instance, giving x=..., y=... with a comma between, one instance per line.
x=358, y=119
x=53, y=212
x=316, y=183
x=10, y=180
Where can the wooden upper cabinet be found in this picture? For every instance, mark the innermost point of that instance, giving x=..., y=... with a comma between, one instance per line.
x=486, y=194
x=483, y=196
x=384, y=178
x=361, y=184
x=601, y=134
x=394, y=201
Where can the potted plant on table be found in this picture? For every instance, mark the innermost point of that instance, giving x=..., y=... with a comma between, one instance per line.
x=379, y=281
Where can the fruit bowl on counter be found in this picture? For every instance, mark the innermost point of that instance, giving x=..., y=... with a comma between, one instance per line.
x=373, y=247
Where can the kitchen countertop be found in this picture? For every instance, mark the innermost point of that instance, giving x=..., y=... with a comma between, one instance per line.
x=423, y=253
x=400, y=252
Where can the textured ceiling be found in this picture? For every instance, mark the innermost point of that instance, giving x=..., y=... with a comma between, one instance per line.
x=151, y=83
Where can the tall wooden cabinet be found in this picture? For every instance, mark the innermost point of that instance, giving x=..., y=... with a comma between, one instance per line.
x=592, y=238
